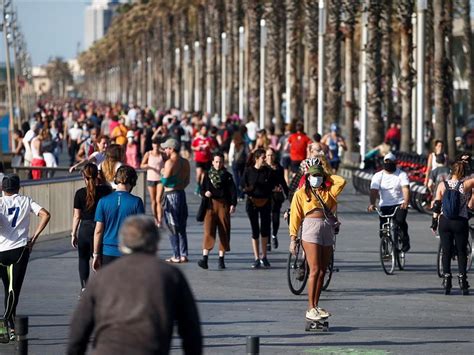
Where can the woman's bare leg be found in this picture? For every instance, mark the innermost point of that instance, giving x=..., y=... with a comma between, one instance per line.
x=325, y=252
x=313, y=258
x=153, y=200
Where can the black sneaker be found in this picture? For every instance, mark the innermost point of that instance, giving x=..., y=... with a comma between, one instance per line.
x=256, y=264
x=265, y=263
x=269, y=247
x=275, y=242
x=203, y=264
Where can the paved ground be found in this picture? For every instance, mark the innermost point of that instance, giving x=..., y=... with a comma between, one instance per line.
x=372, y=313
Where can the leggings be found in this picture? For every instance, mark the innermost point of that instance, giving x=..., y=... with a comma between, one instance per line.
x=276, y=210
x=264, y=212
x=85, y=243
x=13, y=265
x=457, y=231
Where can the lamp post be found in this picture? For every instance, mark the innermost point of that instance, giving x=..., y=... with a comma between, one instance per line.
x=420, y=74
x=186, y=79
x=5, y=27
x=197, y=76
x=263, y=45
x=321, y=34
x=177, y=61
x=138, y=79
x=209, y=78
x=223, y=79
x=149, y=82
x=241, y=70
x=363, y=85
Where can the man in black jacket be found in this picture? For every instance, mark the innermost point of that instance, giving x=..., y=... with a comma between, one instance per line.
x=132, y=304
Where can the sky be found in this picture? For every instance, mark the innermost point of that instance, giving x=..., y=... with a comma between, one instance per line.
x=56, y=27
x=51, y=27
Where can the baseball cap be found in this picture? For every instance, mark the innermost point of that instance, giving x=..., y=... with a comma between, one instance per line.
x=316, y=169
x=170, y=143
x=390, y=156
x=11, y=183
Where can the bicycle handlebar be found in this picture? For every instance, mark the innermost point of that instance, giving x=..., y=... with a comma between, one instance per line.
x=387, y=215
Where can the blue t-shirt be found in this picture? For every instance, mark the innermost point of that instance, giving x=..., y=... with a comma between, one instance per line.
x=112, y=210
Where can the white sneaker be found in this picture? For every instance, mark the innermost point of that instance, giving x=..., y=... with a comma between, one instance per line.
x=313, y=314
x=323, y=313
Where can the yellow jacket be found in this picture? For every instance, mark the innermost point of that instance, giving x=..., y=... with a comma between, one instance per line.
x=300, y=206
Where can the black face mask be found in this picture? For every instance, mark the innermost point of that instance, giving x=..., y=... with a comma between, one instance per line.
x=390, y=166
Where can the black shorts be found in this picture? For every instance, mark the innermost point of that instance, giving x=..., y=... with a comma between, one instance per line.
x=295, y=165
x=285, y=162
x=203, y=165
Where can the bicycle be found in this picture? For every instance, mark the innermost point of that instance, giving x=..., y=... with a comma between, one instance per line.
x=439, y=264
x=391, y=244
x=298, y=269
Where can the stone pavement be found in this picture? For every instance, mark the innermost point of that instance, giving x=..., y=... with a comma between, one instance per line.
x=372, y=313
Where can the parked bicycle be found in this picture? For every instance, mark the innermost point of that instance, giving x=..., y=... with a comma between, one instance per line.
x=298, y=270
x=391, y=244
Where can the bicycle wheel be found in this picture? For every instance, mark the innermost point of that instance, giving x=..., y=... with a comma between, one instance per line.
x=400, y=255
x=439, y=261
x=297, y=271
x=329, y=271
x=387, y=255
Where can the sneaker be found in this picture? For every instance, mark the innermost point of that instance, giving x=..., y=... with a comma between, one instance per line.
x=323, y=313
x=256, y=264
x=275, y=242
x=12, y=335
x=269, y=247
x=203, y=264
x=265, y=262
x=313, y=314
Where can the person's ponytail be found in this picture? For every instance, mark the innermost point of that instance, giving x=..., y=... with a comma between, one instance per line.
x=90, y=173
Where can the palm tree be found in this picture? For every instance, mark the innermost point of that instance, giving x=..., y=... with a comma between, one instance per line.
x=311, y=41
x=468, y=52
x=374, y=75
x=333, y=63
x=60, y=76
x=350, y=9
x=429, y=68
x=439, y=70
x=448, y=78
x=292, y=15
x=405, y=11
x=387, y=66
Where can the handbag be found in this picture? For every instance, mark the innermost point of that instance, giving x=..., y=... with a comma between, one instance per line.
x=203, y=207
x=278, y=197
x=329, y=216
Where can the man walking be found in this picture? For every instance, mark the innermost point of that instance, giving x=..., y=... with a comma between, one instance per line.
x=132, y=305
x=111, y=212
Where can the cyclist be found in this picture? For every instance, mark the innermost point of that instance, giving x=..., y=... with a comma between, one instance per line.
x=307, y=211
x=392, y=188
x=15, y=243
x=454, y=228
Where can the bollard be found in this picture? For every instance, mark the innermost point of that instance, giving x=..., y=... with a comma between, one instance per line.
x=253, y=344
x=21, y=330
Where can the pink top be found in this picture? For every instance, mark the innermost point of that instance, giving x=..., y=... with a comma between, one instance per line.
x=131, y=155
x=157, y=163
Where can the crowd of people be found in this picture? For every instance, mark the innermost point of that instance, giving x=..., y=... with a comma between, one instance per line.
x=234, y=161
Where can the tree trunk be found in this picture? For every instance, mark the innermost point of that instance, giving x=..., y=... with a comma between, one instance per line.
x=269, y=113
x=429, y=76
x=439, y=57
x=292, y=15
x=468, y=53
x=374, y=74
x=405, y=11
x=387, y=66
x=311, y=15
x=254, y=41
x=448, y=77
x=333, y=63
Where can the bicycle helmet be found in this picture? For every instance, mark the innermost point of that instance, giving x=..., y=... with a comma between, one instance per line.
x=305, y=164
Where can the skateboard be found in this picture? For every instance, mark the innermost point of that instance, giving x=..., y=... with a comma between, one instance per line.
x=317, y=325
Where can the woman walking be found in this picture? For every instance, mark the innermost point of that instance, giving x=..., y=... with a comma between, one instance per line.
x=453, y=223
x=114, y=158
x=237, y=160
x=83, y=224
x=153, y=161
x=258, y=183
x=308, y=211
x=218, y=186
x=279, y=194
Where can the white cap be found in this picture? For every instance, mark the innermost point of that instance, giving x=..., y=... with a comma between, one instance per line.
x=390, y=156
x=130, y=134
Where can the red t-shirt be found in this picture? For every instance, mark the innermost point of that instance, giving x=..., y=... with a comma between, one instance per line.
x=298, y=145
x=205, y=146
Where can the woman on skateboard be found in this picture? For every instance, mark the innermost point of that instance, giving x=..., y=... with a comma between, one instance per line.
x=308, y=212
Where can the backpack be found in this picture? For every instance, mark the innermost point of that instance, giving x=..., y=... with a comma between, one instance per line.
x=452, y=201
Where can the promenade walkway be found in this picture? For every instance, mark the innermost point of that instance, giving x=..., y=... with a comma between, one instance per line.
x=372, y=313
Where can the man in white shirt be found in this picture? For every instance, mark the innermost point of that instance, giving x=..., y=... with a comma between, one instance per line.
x=252, y=129
x=15, y=244
x=32, y=132
x=392, y=187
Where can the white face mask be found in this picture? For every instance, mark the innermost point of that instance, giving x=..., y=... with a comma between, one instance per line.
x=315, y=181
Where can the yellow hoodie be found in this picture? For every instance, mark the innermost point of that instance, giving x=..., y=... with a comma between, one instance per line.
x=300, y=206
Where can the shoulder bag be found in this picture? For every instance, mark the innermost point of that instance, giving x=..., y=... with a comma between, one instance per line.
x=329, y=216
